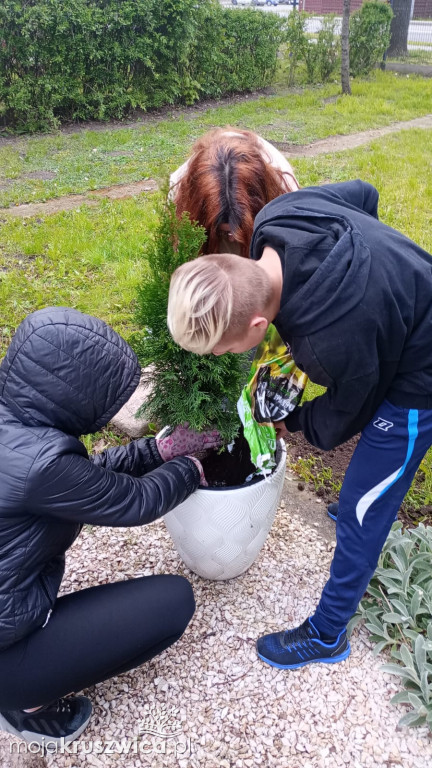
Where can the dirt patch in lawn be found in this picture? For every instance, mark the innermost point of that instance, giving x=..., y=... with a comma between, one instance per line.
x=41, y=175
x=19, y=261
x=68, y=202
x=324, y=471
x=353, y=140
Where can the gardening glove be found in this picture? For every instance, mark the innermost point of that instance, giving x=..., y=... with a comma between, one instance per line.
x=198, y=464
x=183, y=441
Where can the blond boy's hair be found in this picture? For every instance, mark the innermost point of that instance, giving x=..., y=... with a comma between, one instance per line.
x=212, y=295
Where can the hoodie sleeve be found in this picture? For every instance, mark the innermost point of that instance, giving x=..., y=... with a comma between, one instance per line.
x=357, y=193
x=70, y=487
x=352, y=397
x=136, y=459
x=331, y=418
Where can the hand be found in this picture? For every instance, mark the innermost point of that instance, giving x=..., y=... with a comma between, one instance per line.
x=183, y=441
x=281, y=430
x=198, y=464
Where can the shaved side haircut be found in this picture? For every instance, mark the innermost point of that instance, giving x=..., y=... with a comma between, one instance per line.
x=213, y=295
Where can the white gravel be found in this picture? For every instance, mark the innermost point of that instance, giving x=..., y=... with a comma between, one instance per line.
x=230, y=709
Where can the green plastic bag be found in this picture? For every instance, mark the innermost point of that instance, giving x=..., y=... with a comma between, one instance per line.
x=275, y=387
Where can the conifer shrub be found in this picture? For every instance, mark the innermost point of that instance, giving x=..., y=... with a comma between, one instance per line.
x=201, y=390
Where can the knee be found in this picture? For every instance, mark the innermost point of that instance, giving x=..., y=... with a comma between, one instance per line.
x=182, y=600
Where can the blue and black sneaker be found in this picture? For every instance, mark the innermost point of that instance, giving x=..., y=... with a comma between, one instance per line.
x=333, y=509
x=300, y=646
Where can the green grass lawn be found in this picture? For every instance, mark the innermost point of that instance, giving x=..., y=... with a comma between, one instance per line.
x=83, y=161
x=89, y=258
x=398, y=165
x=92, y=258
x=421, y=55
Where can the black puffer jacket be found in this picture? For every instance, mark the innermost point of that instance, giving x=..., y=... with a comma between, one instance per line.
x=66, y=374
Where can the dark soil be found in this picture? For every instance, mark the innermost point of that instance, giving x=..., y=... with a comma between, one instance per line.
x=337, y=460
x=229, y=468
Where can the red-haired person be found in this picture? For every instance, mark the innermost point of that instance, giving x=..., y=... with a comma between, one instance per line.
x=229, y=177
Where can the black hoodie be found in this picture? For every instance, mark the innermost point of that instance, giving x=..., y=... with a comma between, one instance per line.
x=67, y=374
x=356, y=306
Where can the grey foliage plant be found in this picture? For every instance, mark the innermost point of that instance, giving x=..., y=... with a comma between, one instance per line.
x=397, y=611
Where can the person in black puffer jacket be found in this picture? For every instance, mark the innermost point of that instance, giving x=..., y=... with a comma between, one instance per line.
x=66, y=374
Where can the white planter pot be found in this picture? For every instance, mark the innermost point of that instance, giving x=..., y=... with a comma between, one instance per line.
x=218, y=532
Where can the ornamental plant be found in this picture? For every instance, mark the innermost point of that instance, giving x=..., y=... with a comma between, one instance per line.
x=103, y=58
x=185, y=387
x=369, y=36
x=397, y=611
x=321, y=53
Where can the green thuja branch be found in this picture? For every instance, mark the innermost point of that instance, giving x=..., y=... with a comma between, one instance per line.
x=201, y=390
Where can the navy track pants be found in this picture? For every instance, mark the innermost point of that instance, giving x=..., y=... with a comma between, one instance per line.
x=379, y=475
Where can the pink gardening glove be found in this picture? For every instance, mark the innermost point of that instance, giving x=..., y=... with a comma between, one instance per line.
x=198, y=464
x=183, y=441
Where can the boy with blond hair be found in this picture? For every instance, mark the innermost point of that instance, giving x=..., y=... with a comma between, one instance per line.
x=352, y=299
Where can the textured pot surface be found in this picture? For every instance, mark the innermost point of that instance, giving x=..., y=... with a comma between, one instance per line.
x=218, y=533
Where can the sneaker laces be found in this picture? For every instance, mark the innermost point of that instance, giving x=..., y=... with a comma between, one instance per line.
x=298, y=636
x=63, y=707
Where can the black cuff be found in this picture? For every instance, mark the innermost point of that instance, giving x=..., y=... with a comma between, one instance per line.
x=194, y=467
x=152, y=446
x=292, y=421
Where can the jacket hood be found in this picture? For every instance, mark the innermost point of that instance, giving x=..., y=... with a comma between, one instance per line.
x=67, y=370
x=325, y=261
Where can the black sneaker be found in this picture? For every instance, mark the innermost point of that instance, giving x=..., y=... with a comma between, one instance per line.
x=333, y=509
x=300, y=646
x=60, y=722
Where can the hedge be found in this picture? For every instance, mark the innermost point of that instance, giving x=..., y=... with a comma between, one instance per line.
x=98, y=59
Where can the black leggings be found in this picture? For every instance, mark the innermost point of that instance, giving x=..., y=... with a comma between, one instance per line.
x=93, y=635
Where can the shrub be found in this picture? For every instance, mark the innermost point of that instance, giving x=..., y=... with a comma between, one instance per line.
x=328, y=49
x=369, y=36
x=101, y=58
x=235, y=50
x=295, y=37
x=397, y=611
x=321, y=53
x=202, y=390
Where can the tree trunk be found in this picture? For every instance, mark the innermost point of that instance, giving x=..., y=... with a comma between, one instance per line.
x=345, y=62
x=399, y=28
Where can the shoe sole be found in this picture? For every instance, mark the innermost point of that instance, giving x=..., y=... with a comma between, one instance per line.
x=333, y=517
x=39, y=738
x=341, y=657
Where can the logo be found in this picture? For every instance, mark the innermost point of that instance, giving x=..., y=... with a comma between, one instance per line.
x=160, y=733
x=383, y=424
x=162, y=722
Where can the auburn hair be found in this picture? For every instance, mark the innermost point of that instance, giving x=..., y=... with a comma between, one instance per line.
x=228, y=181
